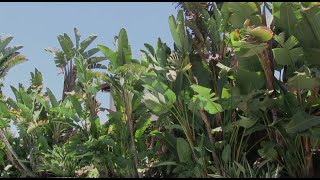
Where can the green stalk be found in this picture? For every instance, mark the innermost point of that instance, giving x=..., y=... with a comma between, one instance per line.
x=128, y=111
x=240, y=146
x=208, y=129
x=185, y=127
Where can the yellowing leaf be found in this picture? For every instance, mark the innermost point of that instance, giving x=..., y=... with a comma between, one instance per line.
x=261, y=33
x=236, y=36
x=35, y=124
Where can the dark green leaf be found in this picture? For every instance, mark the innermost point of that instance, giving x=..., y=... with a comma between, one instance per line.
x=226, y=153
x=301, y=121
x=53, y=99
x=184, y=150
x=76, y=105
x=85, y=43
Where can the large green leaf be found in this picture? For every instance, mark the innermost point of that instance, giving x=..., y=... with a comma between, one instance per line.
x=302, y=81
x=252, y=51
x=161, y=53
x=312, y=55
x=296, y=54
x=66, y=45
x=124, y=49
x=171, y=142
x=90, y=53
x=67, y=112
x=27, y=99
x=282, y=56
x=156, y=103
x=42, y=142
x=291, y=42
x=11, y=61
x=59, y=57
x=267, y=151
x=17, y=94
x=246, y=122
x=226, y=153
x=248, y=81
x=280, y=38
x=141, y=127
x=76, y=105
x=25, y=112
x=251, y=63
x=201, y=70
x=313, y=16
x=52, y=98
x=203, y=91
x=8, y=53
x=288, y=55
x=158, y=86
x=4, y=110
x=285, y=16
x=85, y=43
x=175, y=28
x=204, y=99
x=304, y=33
x=43, y=101
x=184, y=150
x=241, y=11
x=4, y=41
x=301, y=121
x=36, y=79
x=150, y=49
x=110, y=54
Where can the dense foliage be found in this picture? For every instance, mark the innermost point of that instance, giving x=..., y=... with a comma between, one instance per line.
x=237, y=96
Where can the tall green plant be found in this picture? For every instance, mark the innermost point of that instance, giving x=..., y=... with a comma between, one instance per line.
x=126, y=72
x=64, y=58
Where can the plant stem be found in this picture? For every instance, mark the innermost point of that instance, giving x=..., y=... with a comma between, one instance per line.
x=133, y=147
x=13, y=156
x=128, y=111
x=308, y=159
x=215, y=81
x=208, y=128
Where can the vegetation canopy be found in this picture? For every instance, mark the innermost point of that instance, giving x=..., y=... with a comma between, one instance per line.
x=237, y=96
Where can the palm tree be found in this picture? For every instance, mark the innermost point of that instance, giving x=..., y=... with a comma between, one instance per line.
x=65, y=58
x=9, y=57
x=65, y=61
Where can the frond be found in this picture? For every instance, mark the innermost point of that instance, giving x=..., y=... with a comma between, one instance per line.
x=4, y=41
x=10, y=62
x=6, y=52
x=59, y=58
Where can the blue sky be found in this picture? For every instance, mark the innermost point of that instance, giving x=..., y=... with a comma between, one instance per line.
x=36, y=26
